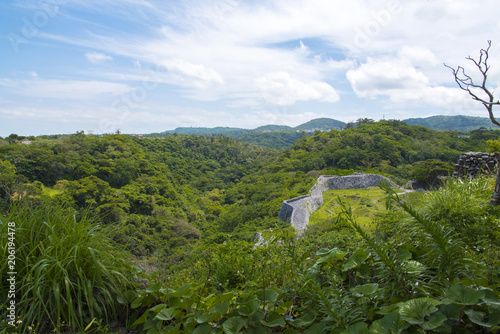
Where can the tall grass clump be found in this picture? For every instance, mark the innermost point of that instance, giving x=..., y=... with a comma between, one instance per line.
x=464, y=206
x=68, y=271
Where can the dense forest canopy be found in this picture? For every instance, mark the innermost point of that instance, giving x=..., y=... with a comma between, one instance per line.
x=186, y=205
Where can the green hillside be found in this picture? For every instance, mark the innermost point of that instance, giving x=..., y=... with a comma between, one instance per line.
x=322, y=124
x=115, y=233
x=453, y=123
x=273, y=128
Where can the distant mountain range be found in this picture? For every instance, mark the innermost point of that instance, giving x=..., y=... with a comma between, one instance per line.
x=321, y=124
x=282, y=136
x=453, y=123
x=447, y=123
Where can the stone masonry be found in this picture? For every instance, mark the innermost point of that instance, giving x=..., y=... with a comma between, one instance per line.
x=472, y=164
x=298, y=210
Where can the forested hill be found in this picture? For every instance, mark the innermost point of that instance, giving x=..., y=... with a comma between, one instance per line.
x=282, y=136
x=271, y=136
x=185, y=189
x=322, y=124
x=186, y=208
x=453, y=123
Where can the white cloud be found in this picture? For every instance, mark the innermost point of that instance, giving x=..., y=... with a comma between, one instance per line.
x=418, y=56
x=385, y=78
x=95, y=57
x=252, y=54
x=281, y=89
x=63, y=89
x=195, y=74
x=403, y=85
x=403, y=81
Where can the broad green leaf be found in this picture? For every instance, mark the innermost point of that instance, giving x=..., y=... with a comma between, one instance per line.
x=233, y=325
x=404, y=254
x=184, y=291
x=393, y=322
x=284, y=307
x=142, y=319
x=357, y=328
x=137, y=302
x=435, y=321
x=221, y=307
x=290, y=331
x=365, y=289
x=257, y=316
x=304, y=321
x=464, y=295
x=248, y=308
x=331, y=254
x=267, y=295
x=206, y=317
x=376, y=328
x=414, y=311
x=323, y=251
x=171, y=329
x=154, y=287
x=414, y=267
x=494, y=318
x=203, y=329
x=158, y=308
x=356, y=260
x=128, y=297
x=275, y=320
x=190, y=323
x=256, y=330
x=166, y=314
x=315, y=329
x=384, y=310
x=152, y=331
x=226, y=297
x=477, y=317
x=490, y=298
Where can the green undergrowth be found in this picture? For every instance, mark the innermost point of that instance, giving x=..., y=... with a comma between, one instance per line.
x=425, y=266
x=66, y=271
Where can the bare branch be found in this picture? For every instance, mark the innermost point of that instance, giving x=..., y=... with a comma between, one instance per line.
x=465, y=82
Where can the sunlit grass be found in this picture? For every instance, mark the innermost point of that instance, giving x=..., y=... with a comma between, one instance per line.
x=366, y=204
x=68, y=271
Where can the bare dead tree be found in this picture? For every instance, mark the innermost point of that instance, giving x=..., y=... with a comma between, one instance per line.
x=466, y=83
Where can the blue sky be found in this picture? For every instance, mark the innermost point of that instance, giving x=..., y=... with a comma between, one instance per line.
x=146, y=66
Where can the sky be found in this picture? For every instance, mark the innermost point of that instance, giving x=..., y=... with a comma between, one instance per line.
x=143, y=66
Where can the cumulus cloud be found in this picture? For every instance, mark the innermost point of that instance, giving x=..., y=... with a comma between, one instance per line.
x=95, y=57
x=282, y=89
x=417, y=56
x=384, y=78
x=192, y=74
x=403, y=81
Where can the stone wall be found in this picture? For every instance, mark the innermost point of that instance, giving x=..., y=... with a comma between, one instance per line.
x=298, y=210
x=472, y=164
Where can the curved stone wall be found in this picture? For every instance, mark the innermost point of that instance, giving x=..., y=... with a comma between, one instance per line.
x=298, y=210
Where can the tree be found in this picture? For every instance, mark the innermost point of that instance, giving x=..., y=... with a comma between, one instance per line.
x=483, y=93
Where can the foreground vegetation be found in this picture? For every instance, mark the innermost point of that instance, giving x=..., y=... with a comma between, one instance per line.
x=95, y=216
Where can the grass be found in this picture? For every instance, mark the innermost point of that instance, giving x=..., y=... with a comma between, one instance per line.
x=68, y=271
x=367, y=205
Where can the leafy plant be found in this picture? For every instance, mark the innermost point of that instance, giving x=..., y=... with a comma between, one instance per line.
x=68, y=272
